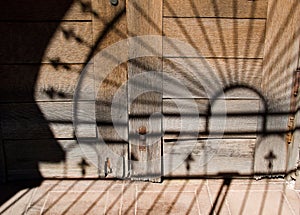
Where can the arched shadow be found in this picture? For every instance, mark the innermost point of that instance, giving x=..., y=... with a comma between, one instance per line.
x=26, y=29
x=263, y=106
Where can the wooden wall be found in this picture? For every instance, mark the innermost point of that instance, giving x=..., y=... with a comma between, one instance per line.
x=230, y=35
x=43, y=49
x=45, y=46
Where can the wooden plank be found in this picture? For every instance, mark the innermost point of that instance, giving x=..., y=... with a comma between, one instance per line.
x=44, y=11
x=46, y=82
x=111, y=25
x=239, y=76
x=35, y=42
x=295, y=157
x=45, y=120
x=49, y=158
x=240, y=118
x=212, y=37
x=109, y=28
x=218, y=8
x=145, y=18
x=210, y=157
x=280, y=61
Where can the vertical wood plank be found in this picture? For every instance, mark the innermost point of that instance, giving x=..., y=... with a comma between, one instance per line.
x=109, y=27
x=280, y=62
x=145, y=18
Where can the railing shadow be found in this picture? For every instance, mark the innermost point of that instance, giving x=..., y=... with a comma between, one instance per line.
x=48, y=149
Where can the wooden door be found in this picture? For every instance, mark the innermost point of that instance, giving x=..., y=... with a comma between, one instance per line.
x=251, y=49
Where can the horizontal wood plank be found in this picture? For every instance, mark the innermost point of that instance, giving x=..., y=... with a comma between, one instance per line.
x=46, y=120
x=67, y=42
x=210, y=157
x=60, y=159
x=49, y=158
x=238, y=77
x=237, y=118
x=45, y=82
x=29, y=10
x=212, y=37
x=218, y=8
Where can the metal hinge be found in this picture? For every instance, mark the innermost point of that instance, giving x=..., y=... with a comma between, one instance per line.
x=291, y=124
x=296, y=82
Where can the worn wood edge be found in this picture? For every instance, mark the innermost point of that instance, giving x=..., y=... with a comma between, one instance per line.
x=282, y=38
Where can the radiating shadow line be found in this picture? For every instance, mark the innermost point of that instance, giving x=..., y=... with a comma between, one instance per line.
x=282, y=199
x=222, y=39
x=195, y=200
x=206, y=37
x=177, y=197
x=242, y=208
x=15, y=201
x=250, y=32
x=191, y=42
x=137, y=198
x=262, y=205
x=98, y=198
x=158, y=197
x=117, y=198
x=226, y=183
x=276, y=83
x=44, y=195
x=78, y=198
x=281, y=29
x=60, y=197
x=235, y=40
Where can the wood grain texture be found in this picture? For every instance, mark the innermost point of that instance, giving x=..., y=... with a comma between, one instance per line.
x=212, y=37
x=240, y=118
x=44, y=11
x=294, y=147
x=239, y=77
x=46, y=82
x=111, y=24
x=109, y=28
x=219, y=8
x=145, y=18
x=280, y=61
x=43, y=120
x=34, y=42
x=49, y=158
x=212, y=157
